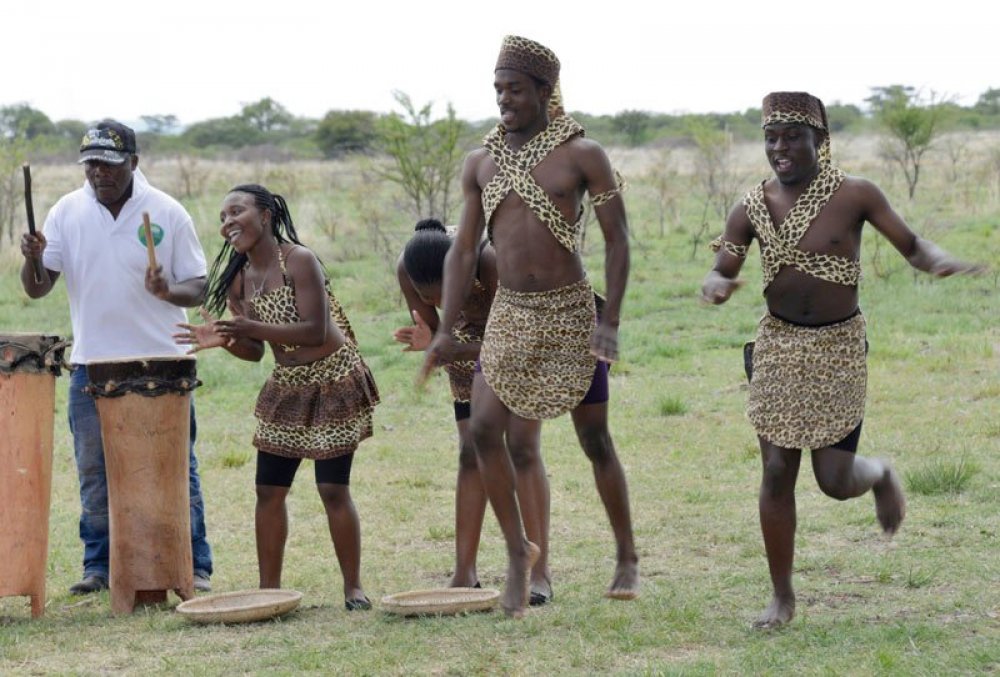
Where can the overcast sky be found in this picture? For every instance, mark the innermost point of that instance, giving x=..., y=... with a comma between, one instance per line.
x=206, y=58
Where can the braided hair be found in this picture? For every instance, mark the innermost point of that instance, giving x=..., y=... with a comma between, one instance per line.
x=229, y=262
x=423, y=257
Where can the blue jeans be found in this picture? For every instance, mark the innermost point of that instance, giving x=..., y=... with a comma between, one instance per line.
x=86, y=429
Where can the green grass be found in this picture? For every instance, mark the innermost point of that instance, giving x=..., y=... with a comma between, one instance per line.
x=925, y=603
x=672, y=406
x=941, y=476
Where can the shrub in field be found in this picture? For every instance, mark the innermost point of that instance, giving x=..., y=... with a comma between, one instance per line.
x=941, y=476
x=672, y=406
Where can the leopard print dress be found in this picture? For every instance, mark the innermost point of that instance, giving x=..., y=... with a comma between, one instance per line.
x=808, y=384
x=318, y=410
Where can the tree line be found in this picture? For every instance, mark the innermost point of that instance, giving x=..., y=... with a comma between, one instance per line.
x=267, y=123
x=421, y=153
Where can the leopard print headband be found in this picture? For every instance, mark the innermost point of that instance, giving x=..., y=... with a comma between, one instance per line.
x=798, y=108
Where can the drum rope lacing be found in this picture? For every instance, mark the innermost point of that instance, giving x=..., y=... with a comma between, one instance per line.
x=49, y=359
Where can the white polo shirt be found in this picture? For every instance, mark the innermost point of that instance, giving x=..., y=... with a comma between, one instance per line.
x=104, y=260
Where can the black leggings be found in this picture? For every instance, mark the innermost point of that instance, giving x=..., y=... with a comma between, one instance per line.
x=279, y=471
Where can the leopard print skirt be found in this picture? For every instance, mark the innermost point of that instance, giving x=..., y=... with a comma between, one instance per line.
x=460, y=373
x=318, y=410
x=536, y=351
x=808, y=385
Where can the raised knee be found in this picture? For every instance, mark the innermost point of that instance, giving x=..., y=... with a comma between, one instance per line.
x=834, y=488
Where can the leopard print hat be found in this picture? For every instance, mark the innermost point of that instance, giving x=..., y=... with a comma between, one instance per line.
x=527, y=56
x=798, y=108
x=795, y=107
x=537, y=60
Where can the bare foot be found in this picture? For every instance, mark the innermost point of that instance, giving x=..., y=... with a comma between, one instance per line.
x=778, y=613
x=890, y=504
x=625, y=584
x=517, y=589
x=466, y=580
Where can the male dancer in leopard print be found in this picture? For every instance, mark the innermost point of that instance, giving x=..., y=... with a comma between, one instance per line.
x=526, y=185
x=808, y=372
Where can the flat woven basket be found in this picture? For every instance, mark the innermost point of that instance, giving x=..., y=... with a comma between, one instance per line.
x=442, y=601
x=244, y=606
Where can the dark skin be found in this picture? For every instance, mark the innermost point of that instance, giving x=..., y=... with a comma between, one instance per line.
x=530, y=259
x=793, y=153
x=113, y=186
x=522, y=439
x=249, y=230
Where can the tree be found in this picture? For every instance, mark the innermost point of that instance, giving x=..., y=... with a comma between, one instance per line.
x=989, y=102
x=716, y=172
x=234, y=132
x=634, y=124
x=346, y=131
x=425, y=155
x=843, y=116
x=912, y=127
x=71, y=129
x=14, y=151
x=266, y=115
x=160, y=124
x=22, y=119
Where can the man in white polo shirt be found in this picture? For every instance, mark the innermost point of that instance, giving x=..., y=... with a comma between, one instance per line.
x=119, y=309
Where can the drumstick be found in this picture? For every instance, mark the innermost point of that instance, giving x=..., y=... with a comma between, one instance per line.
x=150, y=246
x=36, y=264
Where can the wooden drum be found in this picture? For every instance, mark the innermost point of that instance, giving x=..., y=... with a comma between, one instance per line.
x=144, y=407
x=29, y=364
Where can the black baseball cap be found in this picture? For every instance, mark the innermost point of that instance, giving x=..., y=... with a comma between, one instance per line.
x=109, y=141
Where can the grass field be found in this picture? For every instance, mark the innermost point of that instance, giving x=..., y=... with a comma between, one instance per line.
x=925, y=603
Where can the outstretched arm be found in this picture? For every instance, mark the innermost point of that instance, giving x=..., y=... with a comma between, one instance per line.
x=721, y=281
x=922, y=254
x=204, y=336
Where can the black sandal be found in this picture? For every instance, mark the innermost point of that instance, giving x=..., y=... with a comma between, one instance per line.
x=362, y=604
x=539, y=598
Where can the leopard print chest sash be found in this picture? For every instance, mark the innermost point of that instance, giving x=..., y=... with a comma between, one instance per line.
x=277, y=306
x=514, y=174
x=779, y=244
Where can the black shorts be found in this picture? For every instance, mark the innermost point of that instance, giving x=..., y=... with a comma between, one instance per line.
x=463, y=410
x=279, y=471
x=850, y=443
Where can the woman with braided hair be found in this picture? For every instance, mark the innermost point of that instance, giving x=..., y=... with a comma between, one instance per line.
x=319, y=399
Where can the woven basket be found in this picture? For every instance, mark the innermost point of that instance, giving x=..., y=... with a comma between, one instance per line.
x=442, y=602
x=244, y=606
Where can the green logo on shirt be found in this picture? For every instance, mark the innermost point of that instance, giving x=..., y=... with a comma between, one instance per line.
x=157, y=234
